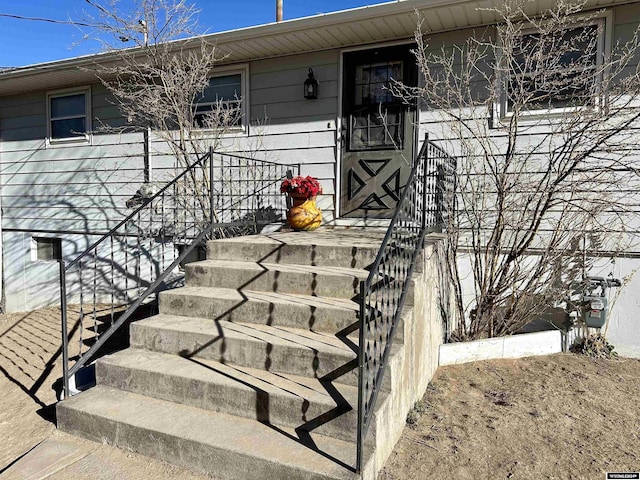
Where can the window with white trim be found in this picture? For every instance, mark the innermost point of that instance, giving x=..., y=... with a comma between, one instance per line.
x=68, y=114
x=547, y=73
x=221, y=104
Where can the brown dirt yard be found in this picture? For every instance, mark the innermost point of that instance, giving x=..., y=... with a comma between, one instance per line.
x=559, y=416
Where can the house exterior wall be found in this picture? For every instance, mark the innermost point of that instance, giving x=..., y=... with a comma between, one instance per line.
x=71, y=191
x=77, y=191
x=622, y=327
x=294, y=130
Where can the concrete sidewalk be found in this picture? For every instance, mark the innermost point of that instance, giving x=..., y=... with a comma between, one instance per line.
x=63, y=456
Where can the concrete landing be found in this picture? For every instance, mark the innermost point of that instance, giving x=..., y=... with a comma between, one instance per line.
x=334, y=247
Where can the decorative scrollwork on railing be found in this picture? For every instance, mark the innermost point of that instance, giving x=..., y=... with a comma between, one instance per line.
x=218, y=195
x=425, y=205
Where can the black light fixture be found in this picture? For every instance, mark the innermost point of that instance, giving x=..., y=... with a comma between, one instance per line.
x=310, y=87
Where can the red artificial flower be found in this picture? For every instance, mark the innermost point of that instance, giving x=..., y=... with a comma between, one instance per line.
x=302, y=186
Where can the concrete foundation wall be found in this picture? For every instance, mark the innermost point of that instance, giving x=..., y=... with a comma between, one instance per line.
x=623, y=325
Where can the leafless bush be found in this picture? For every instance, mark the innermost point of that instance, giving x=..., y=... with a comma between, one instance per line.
x=543, y=115
x=158, y=85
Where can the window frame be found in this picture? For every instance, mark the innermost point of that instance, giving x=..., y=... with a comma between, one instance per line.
x=605, y=19
x=56, y=243
x=67, y=92
x=227, y=71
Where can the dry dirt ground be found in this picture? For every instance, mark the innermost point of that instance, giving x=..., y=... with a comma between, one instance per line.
x=559, y=416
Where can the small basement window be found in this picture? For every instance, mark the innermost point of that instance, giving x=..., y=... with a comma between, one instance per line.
x=46, y=249
x=68, y=115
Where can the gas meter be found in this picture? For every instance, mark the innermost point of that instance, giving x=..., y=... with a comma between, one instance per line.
x=594, y=304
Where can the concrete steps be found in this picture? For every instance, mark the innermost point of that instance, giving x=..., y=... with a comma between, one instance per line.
x=228, y=447
x=323, y=314
x=250, y=370
x=277, y=349
x=307, y=404
x=336, y=282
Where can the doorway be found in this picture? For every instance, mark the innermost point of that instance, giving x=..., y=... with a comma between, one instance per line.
x=378, y=131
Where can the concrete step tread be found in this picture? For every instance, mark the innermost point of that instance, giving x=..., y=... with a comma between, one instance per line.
x=285, y=336
x=235, y=376
x=230, y=294
x=282, y=267
x=341, y=237
x=339, y=247
x=169, y=427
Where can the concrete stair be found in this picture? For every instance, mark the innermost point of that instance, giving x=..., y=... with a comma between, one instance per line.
x=224, y=445
x=250, y=370
x=272, y=277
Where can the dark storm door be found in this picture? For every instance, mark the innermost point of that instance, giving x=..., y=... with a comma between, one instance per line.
x=378, y=139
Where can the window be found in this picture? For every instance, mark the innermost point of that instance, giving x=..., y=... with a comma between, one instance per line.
x=554, y=72
x=377, y=119
x=221, y=104
x=46, y=248
x=68, y=114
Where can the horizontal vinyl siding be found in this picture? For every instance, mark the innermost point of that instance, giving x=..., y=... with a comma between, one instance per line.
x=294, y=130
x=435, y=124
x=55, y=190
x=65, y=192
x=63, y=189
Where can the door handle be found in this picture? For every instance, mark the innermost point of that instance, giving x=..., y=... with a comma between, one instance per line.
x=343, y=132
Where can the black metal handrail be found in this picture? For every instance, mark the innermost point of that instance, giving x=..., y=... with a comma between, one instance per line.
x=217, y=195
x=424, y=206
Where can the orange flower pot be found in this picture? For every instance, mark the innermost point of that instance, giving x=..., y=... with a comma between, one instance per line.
x=304, y=215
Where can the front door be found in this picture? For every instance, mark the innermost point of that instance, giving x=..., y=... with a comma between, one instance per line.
x=378, y=131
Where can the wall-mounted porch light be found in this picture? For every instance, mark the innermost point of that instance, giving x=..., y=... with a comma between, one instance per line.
x=310, y=87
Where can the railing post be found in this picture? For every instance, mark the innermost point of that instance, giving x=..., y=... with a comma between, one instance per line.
x=425, y=161
x=361, y=399
x=63, y=321
x=288, y=201
x=211, y=203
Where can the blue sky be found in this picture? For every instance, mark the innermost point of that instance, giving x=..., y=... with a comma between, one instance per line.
x=28, y=42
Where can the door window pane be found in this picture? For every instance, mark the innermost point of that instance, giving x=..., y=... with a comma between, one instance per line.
x=373, y=80
x=372, y=130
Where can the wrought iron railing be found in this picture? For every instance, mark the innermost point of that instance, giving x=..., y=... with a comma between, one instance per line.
x=218, y=195
x=424, y=206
